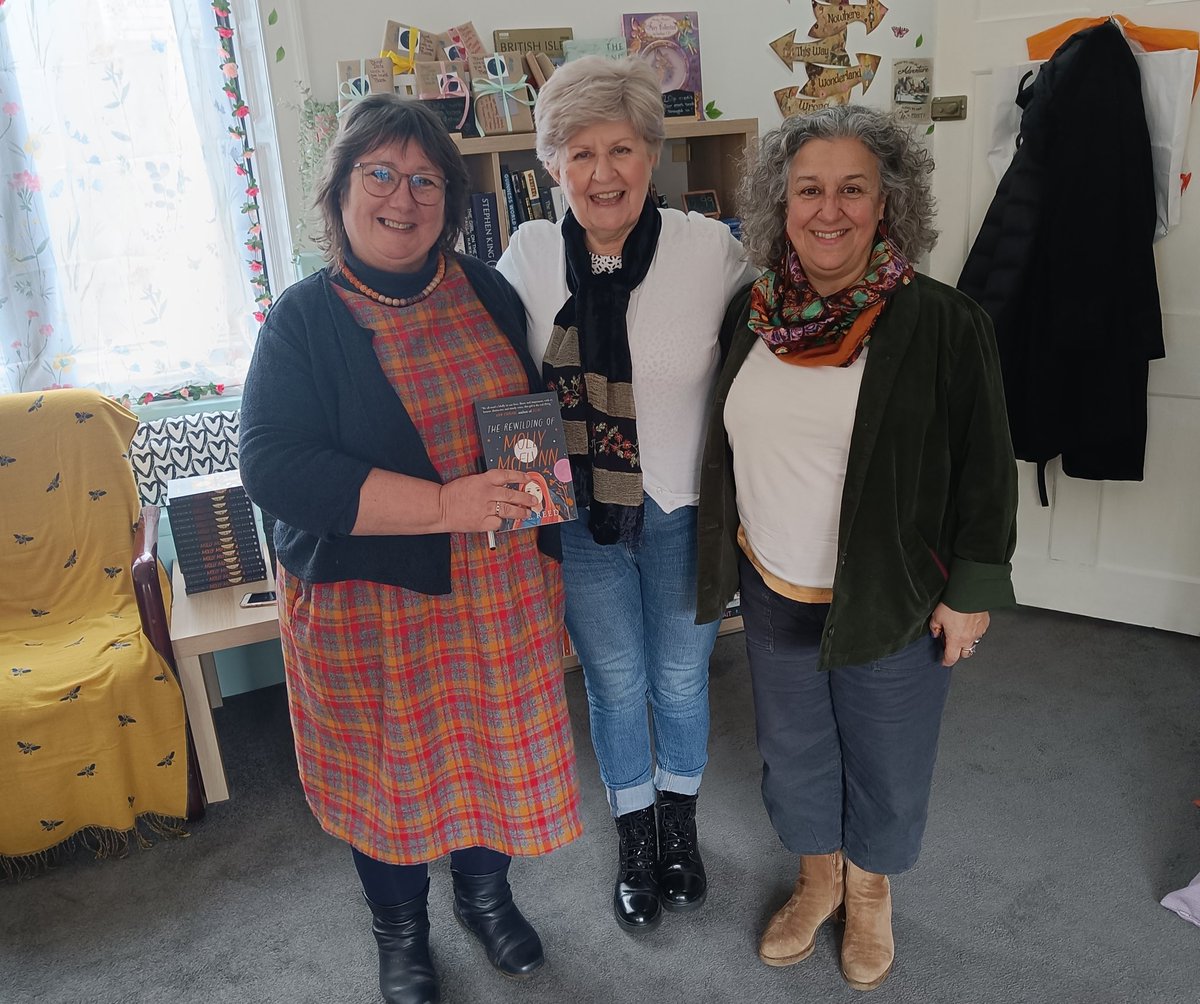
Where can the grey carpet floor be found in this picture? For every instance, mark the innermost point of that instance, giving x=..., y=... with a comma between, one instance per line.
x=1062, y=812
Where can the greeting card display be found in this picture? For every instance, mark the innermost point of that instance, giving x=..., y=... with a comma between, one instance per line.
x=670, y=43
x=525, y=435
x=501, y=94
x=359, y=77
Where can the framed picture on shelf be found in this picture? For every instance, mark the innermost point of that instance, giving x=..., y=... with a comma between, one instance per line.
x=703, y=201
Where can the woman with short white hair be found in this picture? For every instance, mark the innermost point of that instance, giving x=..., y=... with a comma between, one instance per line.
x=624, y=301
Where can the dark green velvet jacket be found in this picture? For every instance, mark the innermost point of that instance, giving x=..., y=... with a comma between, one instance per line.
x=929, y=506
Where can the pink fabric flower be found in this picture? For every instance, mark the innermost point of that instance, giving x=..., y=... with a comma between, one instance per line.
x=220, y=388
x=225, y=32
x=239, y=170
x=46, y=330
x=184, y=393
x=252, y=191
x=256, y=267
x=147, y=398
x=241, y=111
x=229, y=69
x=26, y=180
x=256, y=229
x=11, y=108
x=259, y=316
x=31, y=314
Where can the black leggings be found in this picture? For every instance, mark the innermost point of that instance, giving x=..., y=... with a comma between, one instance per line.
x=389, y=885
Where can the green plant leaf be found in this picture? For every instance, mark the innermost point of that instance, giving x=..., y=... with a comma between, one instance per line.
x=279, y=54
x=929, y=130
x=711, y=111
x=273, y=17
x=920, y=41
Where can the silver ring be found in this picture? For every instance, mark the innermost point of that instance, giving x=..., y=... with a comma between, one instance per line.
x=498, y=516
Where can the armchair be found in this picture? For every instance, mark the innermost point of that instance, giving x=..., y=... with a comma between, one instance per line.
x=93, y=735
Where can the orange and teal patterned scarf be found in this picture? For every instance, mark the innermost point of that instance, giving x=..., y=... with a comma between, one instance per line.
x=807, y=329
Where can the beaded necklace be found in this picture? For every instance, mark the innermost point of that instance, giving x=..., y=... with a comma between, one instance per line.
x=396, y=301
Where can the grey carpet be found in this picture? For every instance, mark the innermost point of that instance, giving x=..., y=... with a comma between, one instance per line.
x=1062, y=814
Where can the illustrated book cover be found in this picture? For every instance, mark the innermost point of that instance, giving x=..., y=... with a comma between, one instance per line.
x=670, y=43
x=525, y=434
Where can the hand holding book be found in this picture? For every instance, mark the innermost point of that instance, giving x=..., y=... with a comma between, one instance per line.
x=481, y=502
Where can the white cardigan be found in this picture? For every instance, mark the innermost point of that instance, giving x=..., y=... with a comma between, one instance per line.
x=674, y=319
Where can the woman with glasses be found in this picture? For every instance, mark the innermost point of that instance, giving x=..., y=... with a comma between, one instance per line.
x=423, y=665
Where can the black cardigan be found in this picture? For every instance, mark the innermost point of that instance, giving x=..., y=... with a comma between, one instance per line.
x=318, y=413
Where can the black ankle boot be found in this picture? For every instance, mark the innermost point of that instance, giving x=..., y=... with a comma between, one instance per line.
x=635, y=897
x=681, y=879
x=484, y=905
x=406, y=973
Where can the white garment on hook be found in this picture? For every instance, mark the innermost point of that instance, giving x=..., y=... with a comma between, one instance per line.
x=1167, y=79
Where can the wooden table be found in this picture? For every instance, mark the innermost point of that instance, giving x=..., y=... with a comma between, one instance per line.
x=202, y=625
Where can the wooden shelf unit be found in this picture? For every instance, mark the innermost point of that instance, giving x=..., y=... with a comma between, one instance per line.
x=710, y=151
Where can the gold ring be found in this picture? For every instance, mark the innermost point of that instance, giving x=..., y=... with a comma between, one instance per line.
x=498, y=516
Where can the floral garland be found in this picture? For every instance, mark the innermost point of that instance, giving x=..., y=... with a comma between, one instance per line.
x=243, y=165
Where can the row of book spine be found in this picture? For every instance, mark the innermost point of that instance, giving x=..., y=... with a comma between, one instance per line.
x=524, y=199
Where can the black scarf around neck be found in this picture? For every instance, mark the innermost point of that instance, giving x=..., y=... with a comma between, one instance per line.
x=587, y=364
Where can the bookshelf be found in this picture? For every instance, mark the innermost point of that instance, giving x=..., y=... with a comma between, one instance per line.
x=696, y=156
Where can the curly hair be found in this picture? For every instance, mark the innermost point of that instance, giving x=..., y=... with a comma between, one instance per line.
x=904, y=170
x=375, y=121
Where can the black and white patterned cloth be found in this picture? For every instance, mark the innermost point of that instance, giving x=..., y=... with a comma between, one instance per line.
x=181, y=447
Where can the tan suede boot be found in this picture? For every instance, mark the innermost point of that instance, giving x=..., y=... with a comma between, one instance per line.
x=791, y=934
x=867, y=946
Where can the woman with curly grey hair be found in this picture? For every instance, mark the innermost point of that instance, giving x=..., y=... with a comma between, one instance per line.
x=859, y=481
x=625, y=301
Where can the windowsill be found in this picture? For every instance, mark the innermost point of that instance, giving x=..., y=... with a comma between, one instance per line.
x=170, y=409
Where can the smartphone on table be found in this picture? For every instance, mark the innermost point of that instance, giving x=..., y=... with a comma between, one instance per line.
x=266, y=599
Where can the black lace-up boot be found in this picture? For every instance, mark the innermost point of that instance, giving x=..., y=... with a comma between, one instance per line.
x=484, y=905
x=406, y=973
x=682, y=883
x=635, y=897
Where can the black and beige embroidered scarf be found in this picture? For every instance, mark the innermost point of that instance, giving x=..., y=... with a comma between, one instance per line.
x=587, y=364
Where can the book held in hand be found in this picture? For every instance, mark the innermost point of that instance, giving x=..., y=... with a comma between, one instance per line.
x=525, y=434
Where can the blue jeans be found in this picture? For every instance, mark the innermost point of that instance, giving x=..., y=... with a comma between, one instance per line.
x=631, y=612
x=848, y=753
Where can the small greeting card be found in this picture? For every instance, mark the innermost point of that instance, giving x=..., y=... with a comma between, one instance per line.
x=359, y=77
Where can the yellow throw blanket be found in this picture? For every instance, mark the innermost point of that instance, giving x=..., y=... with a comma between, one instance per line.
x=92, y=734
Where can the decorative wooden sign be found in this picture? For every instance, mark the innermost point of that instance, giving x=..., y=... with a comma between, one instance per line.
x=828, y=83
x=831, y=51
x=833, y=18
x=792, y=102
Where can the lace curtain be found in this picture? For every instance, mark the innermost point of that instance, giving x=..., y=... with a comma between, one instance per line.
x=121, y=216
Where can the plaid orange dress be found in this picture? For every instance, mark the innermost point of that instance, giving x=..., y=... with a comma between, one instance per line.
x=429, y=723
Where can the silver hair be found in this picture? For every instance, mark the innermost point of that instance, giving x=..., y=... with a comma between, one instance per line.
x=904, y=171
x=594, y=89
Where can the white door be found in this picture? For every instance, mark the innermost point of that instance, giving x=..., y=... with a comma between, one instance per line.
x=1123, y=551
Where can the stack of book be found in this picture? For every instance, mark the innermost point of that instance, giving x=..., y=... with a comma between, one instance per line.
x=216, y=540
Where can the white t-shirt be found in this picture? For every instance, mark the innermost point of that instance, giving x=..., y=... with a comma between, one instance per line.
x=674, y=319
x=789, y=429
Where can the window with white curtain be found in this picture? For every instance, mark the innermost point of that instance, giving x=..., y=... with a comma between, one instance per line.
x=129, y=256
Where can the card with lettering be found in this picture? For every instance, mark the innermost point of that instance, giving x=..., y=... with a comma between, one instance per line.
x=670, y=43
x=525, y=434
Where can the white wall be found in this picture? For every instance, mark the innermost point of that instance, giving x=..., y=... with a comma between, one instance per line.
x=740, y=72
